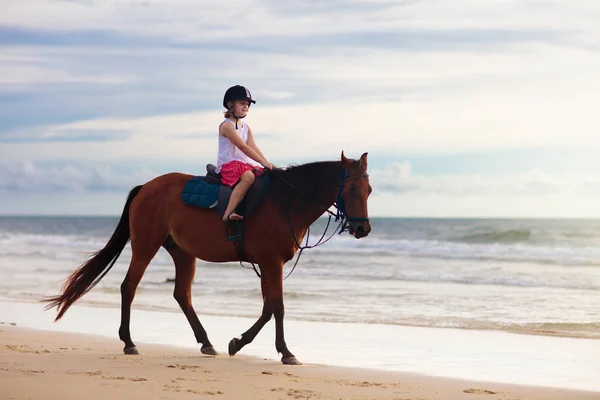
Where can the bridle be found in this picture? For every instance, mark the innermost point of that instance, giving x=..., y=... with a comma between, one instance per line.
x=340, y=215
x=341, y=206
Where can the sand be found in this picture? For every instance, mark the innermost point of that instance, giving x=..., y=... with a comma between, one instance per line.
x=45, y=365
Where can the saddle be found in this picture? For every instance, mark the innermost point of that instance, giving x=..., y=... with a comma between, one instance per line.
x=212, y=176
x=208, y=192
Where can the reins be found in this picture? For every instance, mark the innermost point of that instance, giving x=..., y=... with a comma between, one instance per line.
x=339, y=215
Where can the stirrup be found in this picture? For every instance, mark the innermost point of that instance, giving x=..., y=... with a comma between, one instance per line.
x=233, y=236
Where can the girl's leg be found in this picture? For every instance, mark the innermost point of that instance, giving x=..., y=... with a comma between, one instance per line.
x=246, y=180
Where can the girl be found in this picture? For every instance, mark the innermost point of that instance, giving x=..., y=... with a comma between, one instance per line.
x=239, y=156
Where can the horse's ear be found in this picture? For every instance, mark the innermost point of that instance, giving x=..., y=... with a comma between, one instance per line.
x=363, y=160
x=344, y=159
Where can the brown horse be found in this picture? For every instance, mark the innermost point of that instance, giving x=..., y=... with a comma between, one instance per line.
x=155, y=215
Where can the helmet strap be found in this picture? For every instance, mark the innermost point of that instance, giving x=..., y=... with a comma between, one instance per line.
x=235, y=116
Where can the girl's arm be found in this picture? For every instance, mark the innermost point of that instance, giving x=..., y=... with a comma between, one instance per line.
x=230, y=133
x=252, y=143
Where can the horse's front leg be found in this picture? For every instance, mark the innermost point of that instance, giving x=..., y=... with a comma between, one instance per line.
x=275, y=297
x=278, y=311
x=272, y=290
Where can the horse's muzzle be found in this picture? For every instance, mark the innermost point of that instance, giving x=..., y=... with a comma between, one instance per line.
x=359, y=229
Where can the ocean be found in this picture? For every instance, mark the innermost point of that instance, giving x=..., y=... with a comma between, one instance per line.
x=533, y=276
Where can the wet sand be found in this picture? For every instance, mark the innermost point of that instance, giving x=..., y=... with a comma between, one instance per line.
x=45, y=365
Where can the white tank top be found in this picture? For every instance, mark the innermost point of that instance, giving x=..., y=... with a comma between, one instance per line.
x=229, y=152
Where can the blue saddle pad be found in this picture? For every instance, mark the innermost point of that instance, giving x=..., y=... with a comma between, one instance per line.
x=200, y=194
x=197, y=192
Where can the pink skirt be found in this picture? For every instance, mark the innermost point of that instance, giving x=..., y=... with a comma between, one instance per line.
x=231, y=172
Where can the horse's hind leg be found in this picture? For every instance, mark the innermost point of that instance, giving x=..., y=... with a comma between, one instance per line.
x=141, y=257
x=137, y=267
x=185, y=269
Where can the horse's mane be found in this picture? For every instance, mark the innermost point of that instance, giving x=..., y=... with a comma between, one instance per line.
x=315, y=180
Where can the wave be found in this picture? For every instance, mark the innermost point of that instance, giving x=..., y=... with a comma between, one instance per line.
x=54, y=240
x=574, y=330
x=470, y=247
x=166, y=288
x=550, y=258
x=465, y=277
x=508, y=236
x=582, y=330
x=512, y=241
x=587, y=330
x=479, y=243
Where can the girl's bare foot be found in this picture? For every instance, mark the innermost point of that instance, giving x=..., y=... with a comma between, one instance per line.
x=232, y=216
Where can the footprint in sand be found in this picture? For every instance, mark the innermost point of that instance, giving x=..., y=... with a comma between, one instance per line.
x=301, y=394
x=25, y=349
x=101, y=374
x=192, y=367
x=124, y=378
x=366, y=384
x=479, y=391
x=296, y=393
x=88, y=373
x=171, y=388
x=209, y=392
x=279, y=373
x=194, y=380
x=26, y=371
x=369, y=384
x=176, y=388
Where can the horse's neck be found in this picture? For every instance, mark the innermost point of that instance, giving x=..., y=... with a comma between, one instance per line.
x=324, y=202
x=319, y=202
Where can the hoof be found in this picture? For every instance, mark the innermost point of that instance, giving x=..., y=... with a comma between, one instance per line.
x=209, y=350
x=233, y=347
x=131, y=351
x=290, y=361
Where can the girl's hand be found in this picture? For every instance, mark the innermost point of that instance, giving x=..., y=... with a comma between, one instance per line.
x=269, y=166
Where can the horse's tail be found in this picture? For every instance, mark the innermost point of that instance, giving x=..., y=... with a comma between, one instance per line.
x=84, y=278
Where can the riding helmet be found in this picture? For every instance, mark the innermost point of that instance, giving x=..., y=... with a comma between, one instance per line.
x=237, y=92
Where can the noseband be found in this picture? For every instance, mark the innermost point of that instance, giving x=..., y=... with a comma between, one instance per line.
x=341, y=206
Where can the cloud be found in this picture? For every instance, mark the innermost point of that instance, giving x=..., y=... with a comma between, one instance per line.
x=295, y=133
x=200, y=21
x=310, y=42
x=27, y=177
x=397, y=191
x=137, y=85
x=67, y=61
x=398, y=179
x=74, y=136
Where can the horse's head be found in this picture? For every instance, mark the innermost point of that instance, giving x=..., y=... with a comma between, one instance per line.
x=354, y=192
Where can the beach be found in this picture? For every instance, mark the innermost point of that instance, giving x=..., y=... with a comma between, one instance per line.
x=340, y=361
x=46, y=365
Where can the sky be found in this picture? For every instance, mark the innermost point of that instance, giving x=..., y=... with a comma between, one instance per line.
x=467, y=108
